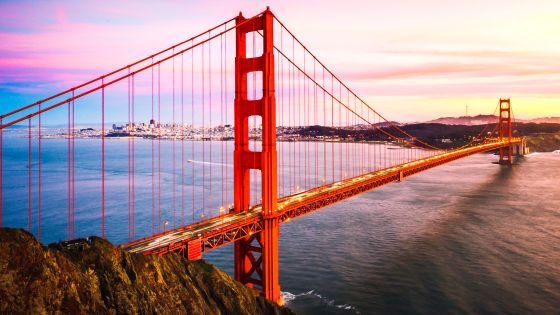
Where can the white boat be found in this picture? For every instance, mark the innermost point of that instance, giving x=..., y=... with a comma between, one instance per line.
x=556, y=152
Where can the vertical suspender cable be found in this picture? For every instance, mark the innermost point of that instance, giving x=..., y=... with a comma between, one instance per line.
x=152, y=131
x=254, y=181
x=159, y=146
x=226, y=108
x=203, y=140
x=29, y=176
x=1, y=171
x=133, y=166
x=332, y=127
x=315, y=125
x=103, y=158
x=222, y=125
x=69, y=215
x=290, y=177
x=210, y=121
x=174, y=131
x=192, y=130
x=182, y=141
x=39, y=177
x=129, y=128
x=73, y=167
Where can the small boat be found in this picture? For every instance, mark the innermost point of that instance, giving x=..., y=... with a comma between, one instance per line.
x=190, y=161
x=556, y=152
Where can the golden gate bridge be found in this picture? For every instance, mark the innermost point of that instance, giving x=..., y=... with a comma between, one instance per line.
x=317, y=143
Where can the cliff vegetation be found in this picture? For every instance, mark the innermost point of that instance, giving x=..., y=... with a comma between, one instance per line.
x=95, y=277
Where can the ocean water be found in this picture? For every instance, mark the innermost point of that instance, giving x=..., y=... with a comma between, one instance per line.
x=470, y=237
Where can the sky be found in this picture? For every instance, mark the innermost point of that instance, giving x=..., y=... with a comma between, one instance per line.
x=410, y=60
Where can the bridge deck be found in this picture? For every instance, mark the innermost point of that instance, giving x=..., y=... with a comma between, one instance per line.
x=228, y=228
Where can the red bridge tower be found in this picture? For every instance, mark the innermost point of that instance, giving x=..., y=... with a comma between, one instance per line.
x=256, y=256
x=505, y=130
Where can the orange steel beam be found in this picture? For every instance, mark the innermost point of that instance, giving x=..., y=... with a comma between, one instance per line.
x=253, y=223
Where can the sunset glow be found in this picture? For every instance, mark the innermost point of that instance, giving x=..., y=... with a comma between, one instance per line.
x=411, y=60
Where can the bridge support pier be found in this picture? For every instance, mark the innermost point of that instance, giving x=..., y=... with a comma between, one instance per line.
x=256, y=256
x=520, y=149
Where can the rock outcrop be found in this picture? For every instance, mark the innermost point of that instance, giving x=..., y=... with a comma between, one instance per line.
x=95, y=277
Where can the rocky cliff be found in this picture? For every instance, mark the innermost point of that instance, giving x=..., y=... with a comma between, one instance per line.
x=95, y=277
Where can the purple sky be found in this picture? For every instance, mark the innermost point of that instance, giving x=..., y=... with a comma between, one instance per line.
x=412, y=60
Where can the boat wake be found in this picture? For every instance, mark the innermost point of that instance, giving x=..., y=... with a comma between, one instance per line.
x=290, y=297
x=209, y=163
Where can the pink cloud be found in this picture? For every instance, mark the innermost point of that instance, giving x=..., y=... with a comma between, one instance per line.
x=443, y=70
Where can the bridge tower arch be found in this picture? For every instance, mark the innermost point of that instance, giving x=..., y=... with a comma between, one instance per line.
x=256, y=256
x=505, y=131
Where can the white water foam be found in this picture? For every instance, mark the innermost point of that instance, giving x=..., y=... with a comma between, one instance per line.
x=209, y=163
x=289, y=297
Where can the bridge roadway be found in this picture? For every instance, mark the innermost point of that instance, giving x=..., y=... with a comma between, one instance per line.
x=228, y=228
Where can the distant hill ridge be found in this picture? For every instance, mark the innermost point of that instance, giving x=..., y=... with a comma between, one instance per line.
x=487, y=119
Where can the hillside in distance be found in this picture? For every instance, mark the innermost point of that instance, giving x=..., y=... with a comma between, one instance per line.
x=488, y=119
x=542, y=137
x=465, y=120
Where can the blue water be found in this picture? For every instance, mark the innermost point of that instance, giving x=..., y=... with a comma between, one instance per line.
x=196, y=187
x=470, y=237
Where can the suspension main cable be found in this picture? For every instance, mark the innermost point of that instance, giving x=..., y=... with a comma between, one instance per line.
x=348, y=108
x=94, y=89
x=351, y=91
